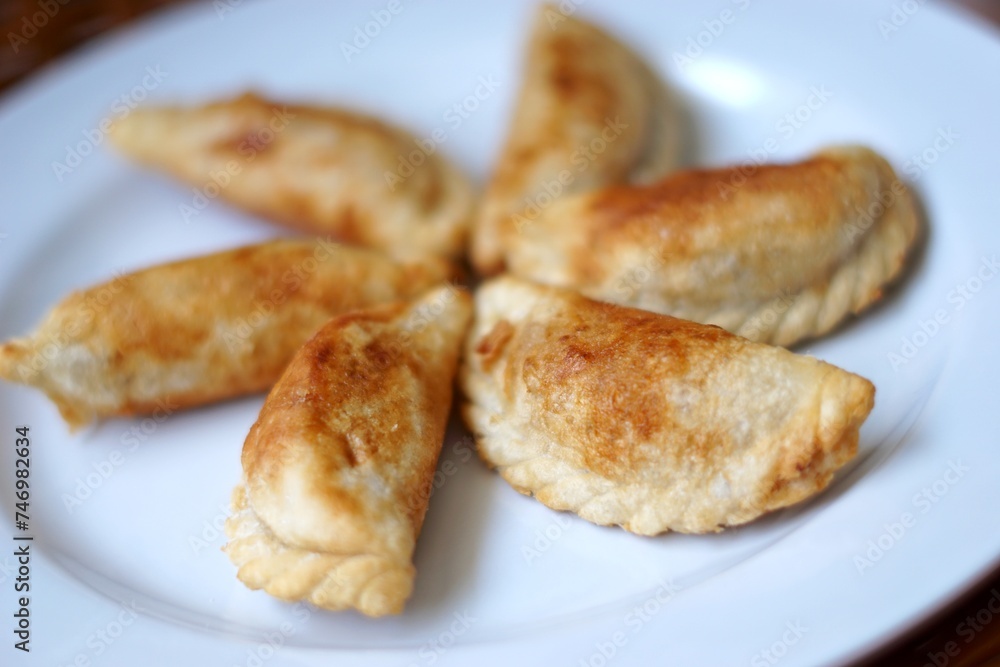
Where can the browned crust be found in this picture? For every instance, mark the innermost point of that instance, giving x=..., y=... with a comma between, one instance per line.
x=200, y=330
x=340, y=462
x=320, y=170
x=577, y=81
x=812, y=241
x=646, y=421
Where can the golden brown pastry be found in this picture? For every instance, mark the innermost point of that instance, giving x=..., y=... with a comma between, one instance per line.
x=777, y=253
x=649, y=422
x=590, y=113
x=339, y=467
x=200, y=330
x=324, y=171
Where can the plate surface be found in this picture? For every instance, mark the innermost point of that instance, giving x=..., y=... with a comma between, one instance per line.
x=127, y=517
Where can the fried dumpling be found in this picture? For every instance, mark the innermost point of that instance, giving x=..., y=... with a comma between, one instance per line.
x=590, y=113
x=776, y=253
x=632, y=418
x=203, y=329
x=338, y=469
x=321, y=170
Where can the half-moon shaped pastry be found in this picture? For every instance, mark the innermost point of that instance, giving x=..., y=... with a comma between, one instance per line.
x=338, y=469
x=776, y=253
x=631, y=418
x=203, y=329
x=321, y=170
x=590, y=113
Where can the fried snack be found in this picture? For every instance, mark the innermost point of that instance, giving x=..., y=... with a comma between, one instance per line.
x=203, y=329
x=777, y=254
x=632, y=418
x=321, y=170
x=339, y=467
x=590, y=114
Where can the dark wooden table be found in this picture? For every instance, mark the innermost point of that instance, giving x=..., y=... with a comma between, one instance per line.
x=965, y=635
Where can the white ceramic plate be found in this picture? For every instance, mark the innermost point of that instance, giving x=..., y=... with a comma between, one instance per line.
x=129, y=513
